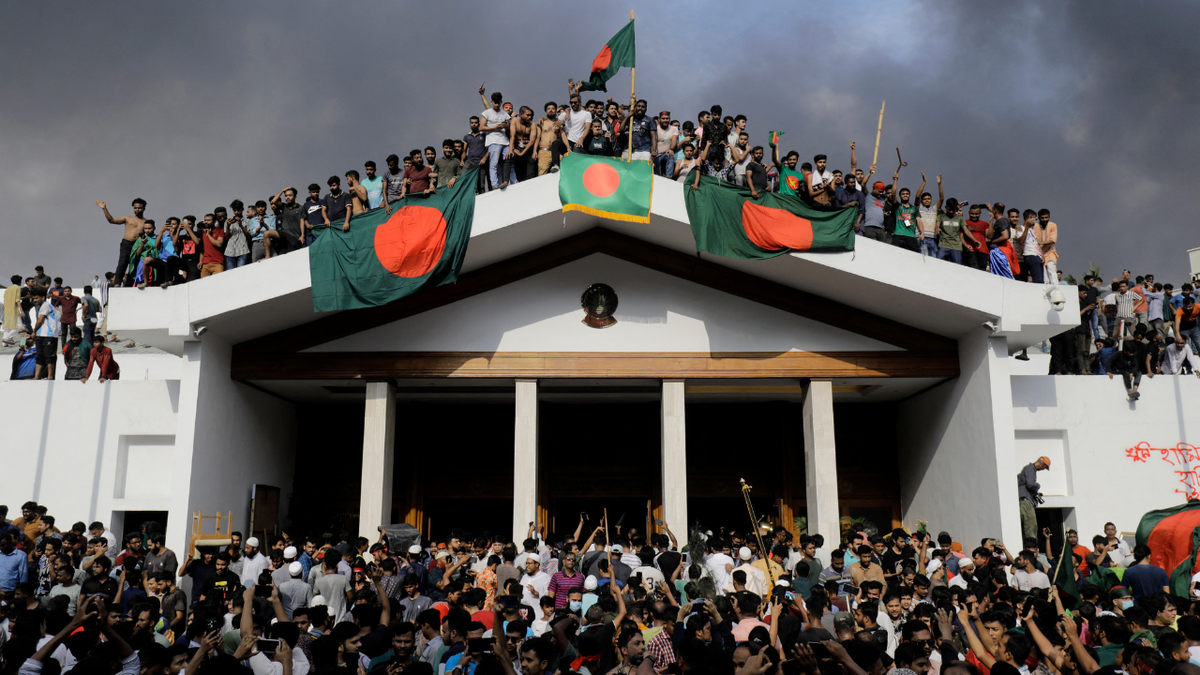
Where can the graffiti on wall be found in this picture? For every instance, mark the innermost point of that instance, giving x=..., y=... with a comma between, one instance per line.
x=1183, y=456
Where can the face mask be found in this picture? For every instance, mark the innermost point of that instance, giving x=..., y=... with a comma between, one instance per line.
x=1126, y=603
x=577, y=605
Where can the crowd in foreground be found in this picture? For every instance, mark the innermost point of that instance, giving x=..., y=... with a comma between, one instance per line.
x=598, y=601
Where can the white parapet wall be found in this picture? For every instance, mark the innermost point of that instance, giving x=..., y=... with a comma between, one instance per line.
x=1111, y=459
x=89, y=451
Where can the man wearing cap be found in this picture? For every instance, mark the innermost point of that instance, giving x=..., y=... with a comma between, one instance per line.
x=756, y=578
x=1028, y=491
x=295, y=592
x=966, y=567
x=253, y=564
x=535, y=582
x=876, y=202
x=281, y=574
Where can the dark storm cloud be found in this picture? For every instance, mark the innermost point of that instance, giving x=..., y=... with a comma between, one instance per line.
x=1087, y=109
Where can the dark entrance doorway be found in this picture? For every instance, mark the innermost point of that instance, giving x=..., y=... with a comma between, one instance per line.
x=596, y=455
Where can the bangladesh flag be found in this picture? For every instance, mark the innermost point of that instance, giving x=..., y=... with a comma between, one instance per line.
x=1173, y=535
x=385, y=257
x=618, y=53
x=727, y=221
x=1064, y=579
x=606, y=187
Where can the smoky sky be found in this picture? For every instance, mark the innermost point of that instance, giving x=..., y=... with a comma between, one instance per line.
x=1089, y=109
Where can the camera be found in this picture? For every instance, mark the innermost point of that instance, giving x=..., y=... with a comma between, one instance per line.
x=1056, y=298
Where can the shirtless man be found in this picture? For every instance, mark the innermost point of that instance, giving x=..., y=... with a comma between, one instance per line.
x=358, y=192
x=548, y=134
x=520, y=150
x=133, y=229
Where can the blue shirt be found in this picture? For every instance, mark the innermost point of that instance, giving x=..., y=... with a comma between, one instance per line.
x=374, y=191
x=453, y=661
x=1145, y=579
x=14, y=569
x=253, y=226
x=306, y=563
x=1102, y=357
x=168, y=247
x=474, y=147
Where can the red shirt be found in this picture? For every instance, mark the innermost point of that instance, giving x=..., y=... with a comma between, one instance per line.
x=485, y=618
x=978, y=228
x=68, y=306
x=212, y=254
x=102, y=357
x=419, y=179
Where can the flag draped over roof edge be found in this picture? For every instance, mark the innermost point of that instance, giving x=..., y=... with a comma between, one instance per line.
x=385, y=257
x=727, y=221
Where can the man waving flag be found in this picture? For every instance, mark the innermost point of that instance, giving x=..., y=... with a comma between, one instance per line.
x=618, y=53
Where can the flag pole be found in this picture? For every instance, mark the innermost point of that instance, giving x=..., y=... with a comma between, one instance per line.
x=632, y=98
x=878, y=131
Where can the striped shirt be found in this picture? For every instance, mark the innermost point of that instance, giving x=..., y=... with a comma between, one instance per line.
x=561, y=586
x=1126, y=302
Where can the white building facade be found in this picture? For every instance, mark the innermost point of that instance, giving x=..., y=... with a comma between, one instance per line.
x=876, y=384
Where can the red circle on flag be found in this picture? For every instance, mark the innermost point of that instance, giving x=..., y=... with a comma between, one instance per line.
x=411, y=242
x=601, y=180
x=775, y=229
x=602, y=60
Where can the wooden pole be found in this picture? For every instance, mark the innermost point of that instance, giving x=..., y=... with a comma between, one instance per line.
x=607, y=541
x=632, y=99
x=878, y=132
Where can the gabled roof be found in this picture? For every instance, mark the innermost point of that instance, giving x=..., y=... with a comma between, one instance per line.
x=902, y=293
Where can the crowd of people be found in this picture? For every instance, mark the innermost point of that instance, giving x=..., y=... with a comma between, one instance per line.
x=597, y=601
x=1132, y=327
x=1147, y=329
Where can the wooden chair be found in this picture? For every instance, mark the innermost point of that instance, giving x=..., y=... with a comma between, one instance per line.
x=216, y=538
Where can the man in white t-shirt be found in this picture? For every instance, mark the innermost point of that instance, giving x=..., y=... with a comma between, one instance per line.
x=1026, y=576
x=720, y=565
x=495, y=125
x=46, y=332
x=576, y=121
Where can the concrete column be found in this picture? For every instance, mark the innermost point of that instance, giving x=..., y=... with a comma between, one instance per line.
x=379, y=437
x=674, y=458
x=820, y=461
x=525, y=459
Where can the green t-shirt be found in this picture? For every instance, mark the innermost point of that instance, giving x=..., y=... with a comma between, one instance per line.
x=951, y=236
x=790, y=181
x=906, y=220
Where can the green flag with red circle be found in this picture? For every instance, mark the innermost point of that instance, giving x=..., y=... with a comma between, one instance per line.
x=617, y=54
x=606, y=187
x=728, y=221
x=386, y=256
